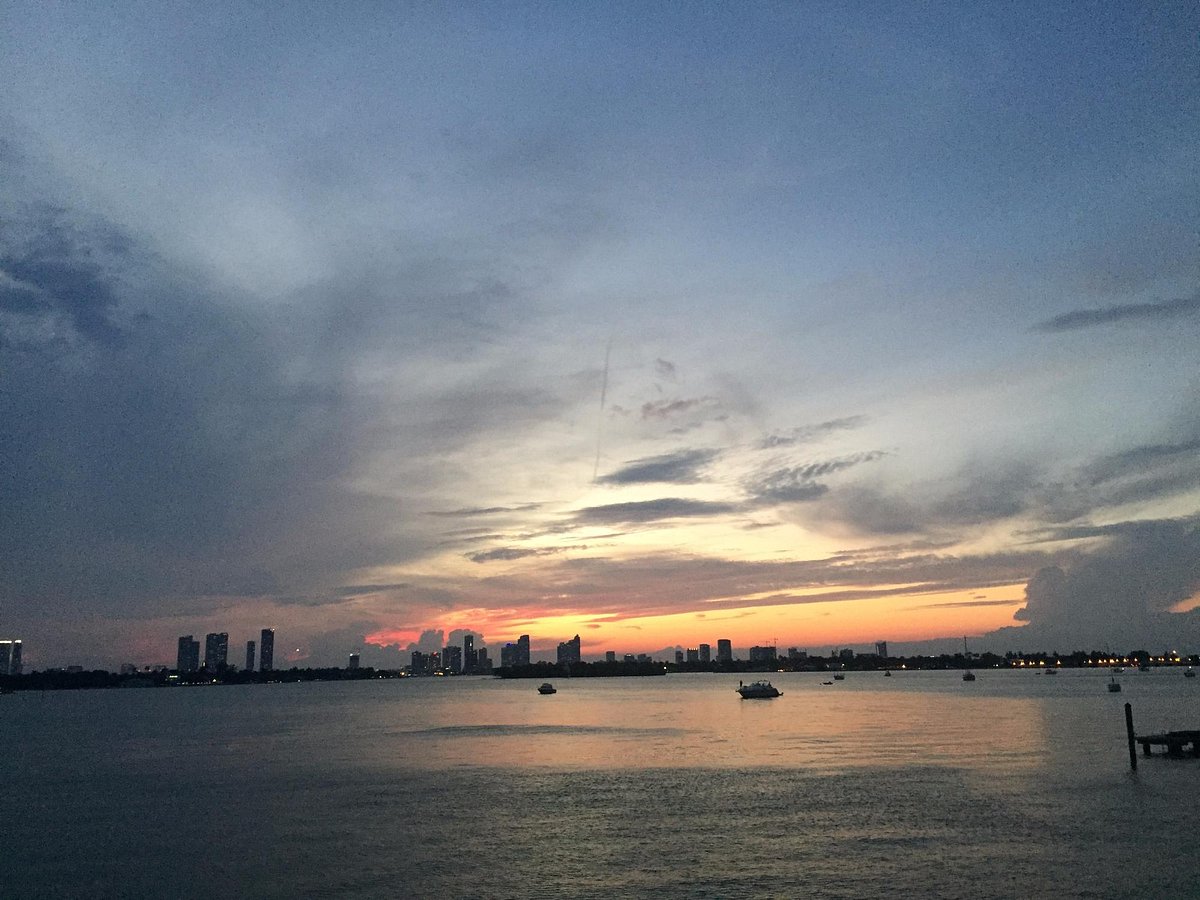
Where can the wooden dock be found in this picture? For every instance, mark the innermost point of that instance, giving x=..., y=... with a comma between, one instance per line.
x=1175, y=742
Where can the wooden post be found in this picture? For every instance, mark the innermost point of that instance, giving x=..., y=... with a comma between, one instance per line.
x=1129, y=734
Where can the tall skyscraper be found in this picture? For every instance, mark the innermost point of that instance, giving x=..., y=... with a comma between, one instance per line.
x=610, y=656
x=355, y=660
x=187, y=659
x=10, y=657
x=523, y=650
x=568, y=651
x=468, y=653
x=705, y=653
x=249, y=656
x=724, y=650
x=881, y=649
x=452, y=659
x=216, y=651
x=266, y=650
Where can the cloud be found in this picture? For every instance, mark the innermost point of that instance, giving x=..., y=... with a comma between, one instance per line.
x=468, y=512
x=643, y=511
x=51, y=266
x=666, y=409
x=682, y=467
x=1118, y=593
x=808, y=433
x=664, y=368
x=1131, y=313
x=512, y=553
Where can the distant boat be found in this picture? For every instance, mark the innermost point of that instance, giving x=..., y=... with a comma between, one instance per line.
x=968, y=675
x=547, y=688
x=1118, y=669
x=1114, y=686
x=759, y=690
x=1143, y=668
x=1052, y=671
x=839, y=677
x=1188, y=673
x=887, y=674
x=826, y=682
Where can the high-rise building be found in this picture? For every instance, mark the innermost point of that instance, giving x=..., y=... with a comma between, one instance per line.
x=705, y=653
x=354, y=662
x=693, y=655
x=10, y=657
x=468, y=653
x=187, y=659
x=679, y=657
x=523, y=650
x=568, y=651
x=483, y=664
x=762, y=654
x=216, y=651
x=724, y=650
x=610, y=656
x=452, y=659
x=266, y=650
x=881, y=649
x=250, y=656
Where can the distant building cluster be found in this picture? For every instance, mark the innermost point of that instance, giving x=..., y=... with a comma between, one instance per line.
x=216, y=653
x=450, y=660
x=10, y=657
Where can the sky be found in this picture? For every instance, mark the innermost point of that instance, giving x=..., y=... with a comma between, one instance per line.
x=797, y=323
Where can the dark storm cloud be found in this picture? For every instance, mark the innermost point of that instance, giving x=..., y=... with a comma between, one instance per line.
x=640, y=512
x=682, y=467
x=180, y=453
x=1130, y=313
x=53, y=267
x=808, y=433
x=1118, y=593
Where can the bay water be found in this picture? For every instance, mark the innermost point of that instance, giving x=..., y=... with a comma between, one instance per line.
x=1015, y=785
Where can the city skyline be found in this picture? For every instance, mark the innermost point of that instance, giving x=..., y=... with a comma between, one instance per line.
x=816, y=325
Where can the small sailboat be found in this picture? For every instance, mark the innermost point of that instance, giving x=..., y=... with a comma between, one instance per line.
x=968, y=675
x=1114, y=686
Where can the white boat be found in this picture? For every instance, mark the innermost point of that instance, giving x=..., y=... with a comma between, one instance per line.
x=759, y=690
x=547, y=688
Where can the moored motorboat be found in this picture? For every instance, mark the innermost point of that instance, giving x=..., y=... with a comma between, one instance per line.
x=968, y=675
x=839, y=677
x=547, y=688
x=1189, y=673
x=758, y=690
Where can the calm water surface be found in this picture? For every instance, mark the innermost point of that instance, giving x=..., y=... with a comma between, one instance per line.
x=1015, y=785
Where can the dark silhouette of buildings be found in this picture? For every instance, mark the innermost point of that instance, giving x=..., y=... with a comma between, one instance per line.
x=216, y=651
x=266, y=650
x=468, y=654
x=355, y=659
x=724, y=650
x=187, y=659
x=452, y=659
x=515, y=654
x=249, y=656
x=568, y=651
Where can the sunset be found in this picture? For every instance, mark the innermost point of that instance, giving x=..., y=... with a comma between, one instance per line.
x=587, y=449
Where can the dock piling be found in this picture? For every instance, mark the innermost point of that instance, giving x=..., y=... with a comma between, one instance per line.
x=1129, y=734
